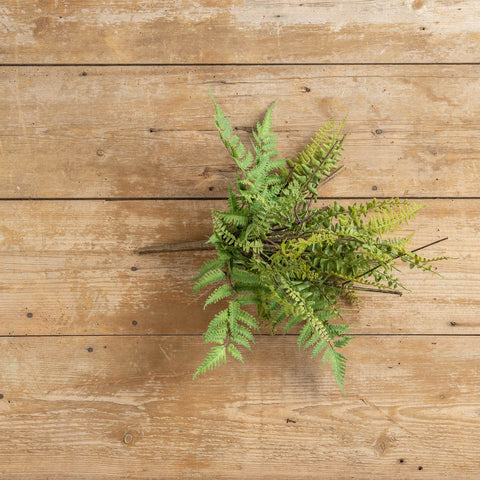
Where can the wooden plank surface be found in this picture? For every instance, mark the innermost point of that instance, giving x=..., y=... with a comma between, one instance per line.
x=125, y=31
x=109, y=100
x=67, y=269
x=148, y=131
x=129, y=409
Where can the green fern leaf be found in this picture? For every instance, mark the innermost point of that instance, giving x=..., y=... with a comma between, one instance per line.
x=234, y=352
x=241, y=340
x=216, y=357
x=338, y=363
x=294, y=320
x=293, y=259
x=213, y=264
x=221, y=292
x=212, y=276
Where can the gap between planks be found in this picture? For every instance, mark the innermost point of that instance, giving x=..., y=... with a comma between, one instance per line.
x=293, y=64
x=99, y=335
x=163, y=199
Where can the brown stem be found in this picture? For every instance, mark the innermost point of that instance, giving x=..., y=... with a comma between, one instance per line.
x=378, y=290
x=270, y=241
x=175, y=247
x=322, y=162
x=298, y=221
x=338, y=170
x=394, y=258
x=280, y=238
x=316, y=212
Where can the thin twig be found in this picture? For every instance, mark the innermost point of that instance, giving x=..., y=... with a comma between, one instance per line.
x=175, y=247
x=323, y=161
x=270, y=241
x=316, y=212
x=338, y=170
x=281, y=238
x=394, y=258
x=298, y=221
x=378, y=290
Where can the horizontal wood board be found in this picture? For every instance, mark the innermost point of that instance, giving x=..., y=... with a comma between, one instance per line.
x=109, y=100
x=128, y=408
x=126, y=31
x=69, y=267
x=136, y=132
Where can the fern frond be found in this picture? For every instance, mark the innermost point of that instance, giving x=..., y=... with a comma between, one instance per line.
x=232, y=143
x=237, y=219
x=249, y=320
x=221, y=292
x=234, y=352
x=211, y=276
x=342, y=342
x=304, y=334
x=215, y=357
x=244, y=277
x=321, y=344
x=294, y=320
x=292, y=259
x=338, y=363
x=389, y=220
x=213, y=264
x=217, y=330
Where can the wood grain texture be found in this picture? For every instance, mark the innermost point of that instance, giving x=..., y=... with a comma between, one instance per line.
x=148, y=131
x=69, y=265
x=125, y=31
x=129, y=409
x=109, y=100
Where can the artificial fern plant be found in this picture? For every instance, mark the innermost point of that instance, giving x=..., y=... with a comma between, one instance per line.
x=291, y=259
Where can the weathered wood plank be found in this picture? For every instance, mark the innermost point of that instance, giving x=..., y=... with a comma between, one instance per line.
x=69, y=266
x=125, y=31
x=129, y=409
x=148, y=131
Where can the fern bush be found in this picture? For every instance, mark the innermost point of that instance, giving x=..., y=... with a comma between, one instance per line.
x=278, y=251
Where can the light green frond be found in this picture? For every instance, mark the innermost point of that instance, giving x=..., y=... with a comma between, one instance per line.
x=234, y=352
x=338, y=363
x=221, y=292
x=215, y=357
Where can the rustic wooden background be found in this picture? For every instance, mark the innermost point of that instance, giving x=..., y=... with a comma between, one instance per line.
x=107, y=144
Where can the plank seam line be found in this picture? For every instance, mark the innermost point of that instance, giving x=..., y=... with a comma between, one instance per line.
x=126, y=199
x=199, y=335
x=280, y=64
